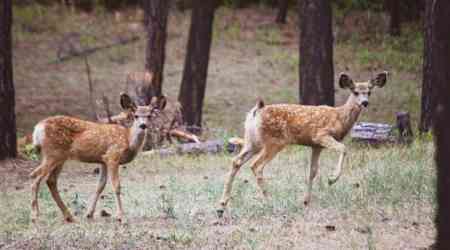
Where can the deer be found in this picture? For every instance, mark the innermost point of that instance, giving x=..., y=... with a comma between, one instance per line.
x=62, y=138
x=268, y=129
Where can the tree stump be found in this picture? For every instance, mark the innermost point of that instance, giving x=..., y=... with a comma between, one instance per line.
x=405, y=134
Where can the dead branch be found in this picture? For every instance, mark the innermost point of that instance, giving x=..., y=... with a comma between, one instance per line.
x=107, y=110
x=94, y=113
x=185, y=135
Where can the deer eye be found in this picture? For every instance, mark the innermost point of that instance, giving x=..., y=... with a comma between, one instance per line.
x=135, y=117
x=356, y=93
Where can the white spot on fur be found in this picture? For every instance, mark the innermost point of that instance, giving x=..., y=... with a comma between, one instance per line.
x=39, y=134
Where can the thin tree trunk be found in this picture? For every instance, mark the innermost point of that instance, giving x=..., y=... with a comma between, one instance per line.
x=412, y=11
x=440, y=60
x=316, y=53
x=8, y=139
x=428, y=95
x=193, y=85
x=282, y=11
x=394, y=11
x=156, y=14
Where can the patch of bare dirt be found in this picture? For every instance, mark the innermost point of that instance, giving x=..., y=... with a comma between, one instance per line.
x=14, y=173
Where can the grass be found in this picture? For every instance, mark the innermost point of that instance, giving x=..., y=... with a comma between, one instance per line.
x=384, y=200
x=171, y=203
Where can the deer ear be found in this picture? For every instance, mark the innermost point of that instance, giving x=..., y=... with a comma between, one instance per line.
x=154, y=101
x=345, y=81
x=379, y=80
x=126, y=102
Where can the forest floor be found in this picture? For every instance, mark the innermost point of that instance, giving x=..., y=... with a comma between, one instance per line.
x=384, y=200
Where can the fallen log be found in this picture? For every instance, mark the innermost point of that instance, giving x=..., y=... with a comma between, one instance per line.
x=196, y=148
x=373, y=133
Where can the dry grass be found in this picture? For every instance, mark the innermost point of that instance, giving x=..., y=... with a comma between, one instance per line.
x=385, y=199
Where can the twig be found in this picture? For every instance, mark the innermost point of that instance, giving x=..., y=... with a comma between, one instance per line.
x=107, y=110
x=91, y=90
x=89, y=51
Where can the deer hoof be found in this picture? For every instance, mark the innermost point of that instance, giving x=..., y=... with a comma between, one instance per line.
x=69, y=219
x=220, y=212
x=331, y=181
x=120, y=219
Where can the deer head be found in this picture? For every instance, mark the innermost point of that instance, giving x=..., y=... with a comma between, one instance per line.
x=142, y=114
x=360, y=91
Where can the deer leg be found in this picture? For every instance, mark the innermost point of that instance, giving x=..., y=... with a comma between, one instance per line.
x=100, y=187
x=245, y=155
x=39, y=173
x=264, y=157
x=116, y=188
x=314, y=167
x=34, y=199
x=330, y=142
x=52, y=183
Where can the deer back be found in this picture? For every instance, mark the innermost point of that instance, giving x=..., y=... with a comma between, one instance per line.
x=83, y=140
x=300, y=124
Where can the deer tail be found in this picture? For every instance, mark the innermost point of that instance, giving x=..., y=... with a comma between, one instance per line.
x=259, y=105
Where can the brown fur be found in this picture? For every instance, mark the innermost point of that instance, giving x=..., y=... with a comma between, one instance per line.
x=61, y=138
x=268, y=129
x=304, y=125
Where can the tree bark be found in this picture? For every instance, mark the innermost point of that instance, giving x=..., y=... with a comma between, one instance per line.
x=8, y=137
x=440, y=59
x=282, y=11
x=316, y=53
x=428, y=95
x=412, y=9
x=156, y=14
x=193, y=85
x=394, y=12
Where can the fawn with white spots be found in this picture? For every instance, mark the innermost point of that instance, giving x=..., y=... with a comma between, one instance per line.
x=268, y=129
x=61, y=138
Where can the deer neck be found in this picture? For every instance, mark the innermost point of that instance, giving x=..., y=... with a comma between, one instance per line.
x=136, y=137
x=349, y=112
x=136, y=140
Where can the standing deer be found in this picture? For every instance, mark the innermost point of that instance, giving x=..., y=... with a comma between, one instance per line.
x=268, y=129
x=61, y=138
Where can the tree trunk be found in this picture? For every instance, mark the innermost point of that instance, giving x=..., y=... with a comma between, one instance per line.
x=8, y=138
x=394, y=12
x=282, y=11
x=411, y=10
x=193, y=85
x=440, y=59
x=316, y=53
x=428, y=95
x=156, y=13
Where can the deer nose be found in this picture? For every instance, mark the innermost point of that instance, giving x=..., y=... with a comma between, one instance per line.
x=365, y=103
x=143, y=126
